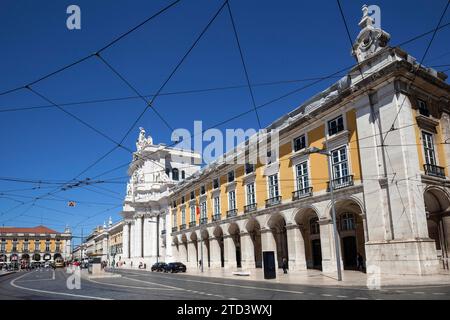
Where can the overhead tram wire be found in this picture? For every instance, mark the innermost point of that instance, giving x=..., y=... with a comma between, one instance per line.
x=92, y=54
x=418, y=67
x=236, y=36
x=279, y=98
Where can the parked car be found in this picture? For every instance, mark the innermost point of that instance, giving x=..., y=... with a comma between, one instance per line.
x=174, y=267
x=159, y=266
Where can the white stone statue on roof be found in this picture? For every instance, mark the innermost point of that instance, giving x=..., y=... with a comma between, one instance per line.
x=142, y=140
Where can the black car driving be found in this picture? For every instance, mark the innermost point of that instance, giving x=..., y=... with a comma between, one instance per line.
x=159, y=266
x=175, y=267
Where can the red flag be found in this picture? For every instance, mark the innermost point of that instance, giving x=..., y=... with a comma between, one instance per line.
x=197, y=209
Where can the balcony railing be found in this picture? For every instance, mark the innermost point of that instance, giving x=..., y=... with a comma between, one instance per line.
x=340, y=183
x=250, y=207
x=216, y=217
x=203, y=220
x=163, y=231
x=433, y=170
x=302, y=193
x=231, y=213
x=192, y=224
x=273, y=201
x=174, y=229
x=183, y=226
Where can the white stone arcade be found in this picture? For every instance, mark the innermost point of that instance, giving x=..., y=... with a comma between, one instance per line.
x=154, y=169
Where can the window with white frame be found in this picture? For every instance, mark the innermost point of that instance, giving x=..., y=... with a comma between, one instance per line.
x=174, y=222
x=3, y=245
x=232, y=200
x=428, y=148
x=230, y=176
x=340, y=165
x=251, y=198
x=335, y=125
x=299, y=143
x=273, y=186
x=216, y=183
x=423, y=108
x=314, y=227
x=301, y=171
x=203, y=214
x=183, y=215
x=217, y=205
x=192, y=212
x=249, y=168
x=347, y=221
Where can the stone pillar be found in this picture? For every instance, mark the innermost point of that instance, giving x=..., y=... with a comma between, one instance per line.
x=247, y=251
x=153, y=238
x=132, y=239
x=105, y=248
x=138, y=229
x=229, y=252
x=296, y=248
x=183, y=254
x=268, y=243
x=192, y=255
x=328, y=249
x=126, y=240
x=214, y=247
x=148, y=242
x=446, y=231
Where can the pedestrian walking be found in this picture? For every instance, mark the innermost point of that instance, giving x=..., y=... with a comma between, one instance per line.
x=285, y=265
x=360, y=262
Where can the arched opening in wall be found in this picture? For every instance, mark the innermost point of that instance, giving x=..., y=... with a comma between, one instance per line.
x=437, y=208
x=350, y=226
x=254, y=229
x=308, y=222
x=25, y=258
x=57, y=255
x=184, y=243
x=37, y=257
x=236, y=236
x=218, y=235
x=14, y=258
x=195, y=241
x=278, y=226
x=206, y=260
x=3, y=258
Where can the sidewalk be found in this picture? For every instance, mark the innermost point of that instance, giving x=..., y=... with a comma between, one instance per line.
x=4, y=273
x=317, y=278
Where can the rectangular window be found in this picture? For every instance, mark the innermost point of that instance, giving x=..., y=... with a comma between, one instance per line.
x=299, y=143
x=183, y=215
x=230, y=176
x=216, y=183
x=232, y=200
x=203, y=213
x=192, y=212
x=3, y=247
x=25, y=246
x=47, y=246
x=336, y=125
x=202, y=190
x=175, y=174
x=182, y=199
x=251, y=199
x=183, y=174
x=249, y=168
x=301, y=171
x=340, y=166
x=216, y=205
x=273, y=186
x=423, y=108
x=428, y=147
x=192, y=195
x=174, y=223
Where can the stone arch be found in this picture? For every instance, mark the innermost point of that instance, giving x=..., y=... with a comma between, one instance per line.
x=307, y=219
x=254, y=229
x=183, y=248
x=205, y=246
x=234, y=233
x=277, y=224
x=219, y=245
x=350, y=221
x=437, y=209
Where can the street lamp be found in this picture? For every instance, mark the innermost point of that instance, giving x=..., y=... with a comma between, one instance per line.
x=333, y=209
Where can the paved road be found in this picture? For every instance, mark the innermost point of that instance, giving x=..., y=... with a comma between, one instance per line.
x=49, y=284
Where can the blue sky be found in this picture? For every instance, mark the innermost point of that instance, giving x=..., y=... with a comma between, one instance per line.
x=281, y=40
